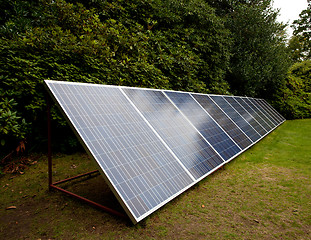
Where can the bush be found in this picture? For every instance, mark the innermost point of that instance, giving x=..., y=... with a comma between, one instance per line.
x=295, y=97
x=12, y=127
x=138, y=43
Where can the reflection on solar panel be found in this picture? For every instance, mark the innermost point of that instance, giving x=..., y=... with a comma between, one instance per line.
x=182, y=138
x=267, y=122
x=236, y=117
x=246, y=115
x=223, y=120
x=274, y=114
x=151, y=145
x=253, y=113
x=209, y=129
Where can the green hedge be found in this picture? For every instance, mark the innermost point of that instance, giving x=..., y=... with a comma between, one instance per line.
x=295, y=97
x=109, y=44
x=181, y=45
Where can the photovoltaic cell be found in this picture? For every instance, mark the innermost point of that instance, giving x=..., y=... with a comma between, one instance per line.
x=204, y=124
x=273, y=112
x=223, y=120
x=246, y=115
x=264, y=111
x=151, y=145
x=236, y=117
x=248, y=108
x=254, y=107
x=138, y=165
x=181, y=137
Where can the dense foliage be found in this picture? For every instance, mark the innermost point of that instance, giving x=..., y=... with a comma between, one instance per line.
x=302, y=32
x=295, y=99
x=11, y=125
x=260, y=57
x=222, y=47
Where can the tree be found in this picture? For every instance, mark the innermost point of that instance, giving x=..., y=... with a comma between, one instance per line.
x=166, y=44
x=193, y=45
x=187, y=41
x=302, y=31
x=259, y=56
x=296, y=48
x=295, y=97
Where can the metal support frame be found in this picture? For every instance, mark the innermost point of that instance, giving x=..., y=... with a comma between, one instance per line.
x=50, y=172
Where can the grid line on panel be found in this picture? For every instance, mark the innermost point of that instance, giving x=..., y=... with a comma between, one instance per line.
x=193, y=126
x=246, y=115
x=100, y=137
x=237, y=117
x=248, y=108
x=156, y=175
x=152, y=145
x=137, y=166
x=264, y=110
x=205, y=124
x=275, y=113
x=231, y=118
x=157, y=134
x=270, y=113
x=259, y=112
x=180, y=136
x=223, y=120
x=231, y=136
x=157, y=194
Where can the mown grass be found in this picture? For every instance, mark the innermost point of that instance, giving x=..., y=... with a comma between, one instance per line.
x=262, y=194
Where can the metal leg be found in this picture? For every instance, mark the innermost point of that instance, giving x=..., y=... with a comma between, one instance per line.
x=49, y=142
x=50, y=172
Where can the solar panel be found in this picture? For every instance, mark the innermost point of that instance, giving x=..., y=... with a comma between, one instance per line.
x=253, y=113
x=139, y=167
x=236, y=117
x=151, y=145
x=195, y=153
x=205, y=124
x=268, y=123
x=246, y=115
x=265, y=111
x=223, y=120
x=272, y=111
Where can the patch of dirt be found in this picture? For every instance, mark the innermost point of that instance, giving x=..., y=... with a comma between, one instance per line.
x=32, y=214
x=16, y=223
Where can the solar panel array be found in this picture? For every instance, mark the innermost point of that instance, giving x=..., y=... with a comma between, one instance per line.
x=151, y=145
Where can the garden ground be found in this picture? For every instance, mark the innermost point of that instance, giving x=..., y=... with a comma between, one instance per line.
x=262, y=194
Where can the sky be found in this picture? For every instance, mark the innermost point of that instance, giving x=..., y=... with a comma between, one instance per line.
x=289, y=10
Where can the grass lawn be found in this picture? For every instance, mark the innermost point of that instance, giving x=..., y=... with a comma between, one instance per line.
x=264, y=193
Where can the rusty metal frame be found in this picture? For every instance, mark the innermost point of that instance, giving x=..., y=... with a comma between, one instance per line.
x=50, y=173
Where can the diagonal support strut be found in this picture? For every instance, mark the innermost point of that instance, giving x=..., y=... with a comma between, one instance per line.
x=50, y=173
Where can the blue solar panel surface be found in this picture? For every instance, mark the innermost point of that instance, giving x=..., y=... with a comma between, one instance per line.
x=210, y=130
x=141, y=169
x=274, y=114
x=152, y=145
x=253, y=113
x=254, y=106
x=264, y=111
x=182, y=138
x=223, y=120
x=236, y=118
x=246, y=115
